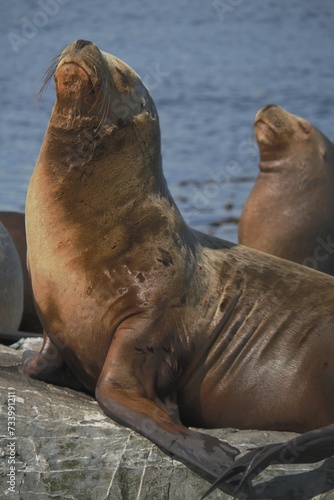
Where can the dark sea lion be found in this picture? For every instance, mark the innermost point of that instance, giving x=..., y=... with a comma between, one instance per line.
x=11, y=283
x=15, y=225
x=167, y=326
x=290, y=211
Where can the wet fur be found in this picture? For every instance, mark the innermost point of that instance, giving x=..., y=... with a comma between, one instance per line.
x=168, y=326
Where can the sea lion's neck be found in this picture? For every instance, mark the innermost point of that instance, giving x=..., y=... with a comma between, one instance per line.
x=277, y=160
x=115, y=179
x=272, y=166
x=125, y=156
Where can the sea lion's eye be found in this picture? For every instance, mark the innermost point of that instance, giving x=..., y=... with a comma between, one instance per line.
x=97, y=87
x=305, y=127
x=123, y=76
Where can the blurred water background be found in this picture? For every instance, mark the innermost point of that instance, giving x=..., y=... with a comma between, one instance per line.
x=209, y=64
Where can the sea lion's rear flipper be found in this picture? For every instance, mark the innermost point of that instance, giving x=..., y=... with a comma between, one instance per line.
x=309, y=447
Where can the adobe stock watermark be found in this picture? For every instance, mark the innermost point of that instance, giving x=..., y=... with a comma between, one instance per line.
x=11, y=446
x=219, y=180
x=30, y=25
x=322, y=252
x=154, y=77
x=224, y=7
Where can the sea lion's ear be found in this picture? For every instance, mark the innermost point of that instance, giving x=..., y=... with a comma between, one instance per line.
x=324, y=155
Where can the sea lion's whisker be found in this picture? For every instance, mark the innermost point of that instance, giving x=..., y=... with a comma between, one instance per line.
x=49, y=74
x=105, y=107
x=105, y=104
x=95, y=71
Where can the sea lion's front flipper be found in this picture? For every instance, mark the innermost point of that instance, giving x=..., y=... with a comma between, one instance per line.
x=309, y=447
x=48, y=365
x=128, y=392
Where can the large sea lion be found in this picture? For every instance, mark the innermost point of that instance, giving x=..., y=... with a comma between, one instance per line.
x=290, y=211
x=167, y=326
x=11, y=283
x=15, y=225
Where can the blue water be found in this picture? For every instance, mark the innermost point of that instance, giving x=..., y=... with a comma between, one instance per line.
x=210, y=65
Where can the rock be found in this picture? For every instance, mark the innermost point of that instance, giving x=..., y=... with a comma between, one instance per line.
x=64, y=447
x=11, y=283
x=14, y=223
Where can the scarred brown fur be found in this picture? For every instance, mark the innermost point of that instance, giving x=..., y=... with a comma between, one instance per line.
x=167, y=326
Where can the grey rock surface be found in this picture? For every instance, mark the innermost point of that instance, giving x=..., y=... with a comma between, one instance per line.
x=11, y=283
x=64, y=447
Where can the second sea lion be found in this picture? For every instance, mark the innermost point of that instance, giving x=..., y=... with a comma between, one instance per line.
x=290, y=210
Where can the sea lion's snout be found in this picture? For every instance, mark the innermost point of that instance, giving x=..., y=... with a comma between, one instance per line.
x=275, y=127
x=266, y=108
x=271, y=114
x=80, y=44
x=266, y=124
x=84, y=56
x=80, y=77
x=72, y=80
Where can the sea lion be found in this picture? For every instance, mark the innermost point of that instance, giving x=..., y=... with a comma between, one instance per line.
x=15, y=225
x=11, y=283
x=290, y=210
x=167, y=326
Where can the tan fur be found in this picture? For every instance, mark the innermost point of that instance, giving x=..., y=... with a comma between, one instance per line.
x=290, y=210
x=168, y=326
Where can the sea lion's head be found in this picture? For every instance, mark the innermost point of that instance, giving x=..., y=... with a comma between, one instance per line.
x=103, y=117
x=93, y=84
x=101, y=153
x=280, y=135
